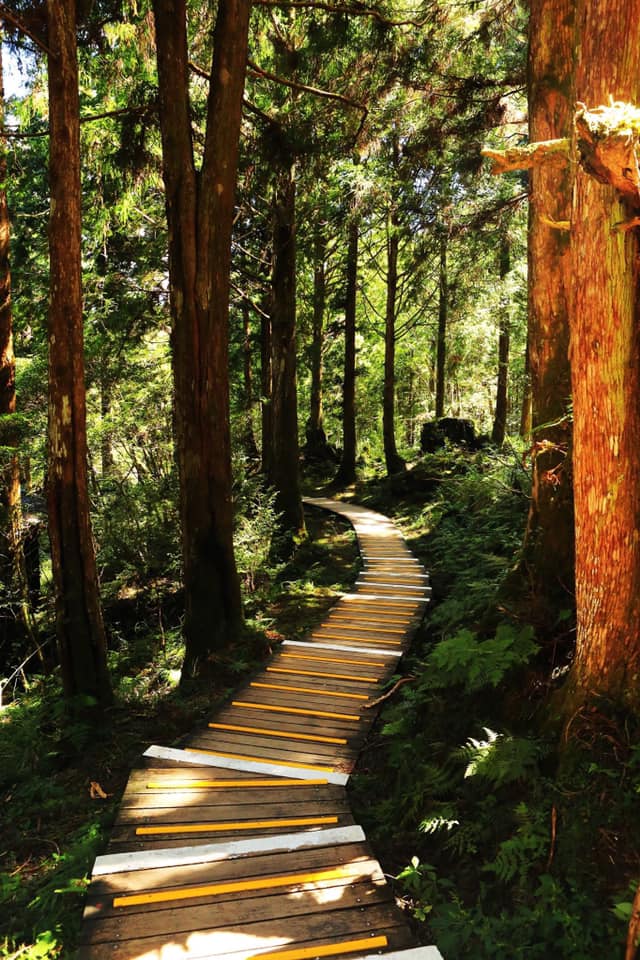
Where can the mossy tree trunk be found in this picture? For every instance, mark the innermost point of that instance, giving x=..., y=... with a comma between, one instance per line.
x=347, y=470
x=200, y=207
x=548, y=554
x=80, y=629
x=285, y=455
x=605, y=362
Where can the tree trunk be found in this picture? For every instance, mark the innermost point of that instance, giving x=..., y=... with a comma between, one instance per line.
x=316, y=437
x=548, y=554
x=250, y=445
x=441, y=343
x=605, y=354
x=80, y=629
x=502, y=399
x=347, y=470
x=266, y=387
x=13, y=571
x=393, y=460
x=200, y=211
x=285, y=453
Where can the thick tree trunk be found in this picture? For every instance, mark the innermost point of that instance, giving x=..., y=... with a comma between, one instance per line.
x=393, y=460
x=548, y=554
x=200, y=218
x=347, y=470
x=284, y=474
x=502, y=398
x=316, y=437
x=13, y=571
x=80, y=629
x=605, y=355
x=441, y=342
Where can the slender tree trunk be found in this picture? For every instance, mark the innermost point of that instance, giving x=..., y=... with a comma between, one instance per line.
x=106, y=439
x=316, y=437
x=12, y=557
x=441, y=343
x=200, y=211
x=605, y=355
x=80, y=629
x=285, y=454
x=393, y=460
x=250, y=444
x=266, y=388
x=548, y=554
x=526, y=409
x=347, y=470
x=502, y=399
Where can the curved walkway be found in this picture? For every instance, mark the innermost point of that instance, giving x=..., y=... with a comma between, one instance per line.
x=241, y=844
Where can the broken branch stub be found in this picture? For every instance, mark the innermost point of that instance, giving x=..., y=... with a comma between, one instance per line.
x=607, y=140
x=525, y=157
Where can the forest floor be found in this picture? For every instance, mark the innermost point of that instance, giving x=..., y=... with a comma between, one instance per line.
x=504, y=840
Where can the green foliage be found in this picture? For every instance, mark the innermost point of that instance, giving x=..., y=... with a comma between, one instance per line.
x=473, y=663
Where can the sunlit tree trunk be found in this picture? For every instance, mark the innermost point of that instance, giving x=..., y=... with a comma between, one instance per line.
x=200, y=209
x=284, y=467
x=393, y=460
x=605, y=359
x=443, y=308
x=502, y=399
x=80, y=629
x=347, y=470
x=548, y=553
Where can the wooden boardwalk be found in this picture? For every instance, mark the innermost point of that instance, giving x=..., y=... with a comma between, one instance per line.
x=241, y=843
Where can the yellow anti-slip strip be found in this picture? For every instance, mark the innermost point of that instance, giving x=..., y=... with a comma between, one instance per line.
x=344, y=636
x=370, y=602
x=314, y=690
x=360, y=625
x=295, y=710
x=326, y=950
x=357, y=663
x=235, y=886
x=276, y=733
x=233, y=784
x=238, y=825
x=280, y=763
x=328, y=676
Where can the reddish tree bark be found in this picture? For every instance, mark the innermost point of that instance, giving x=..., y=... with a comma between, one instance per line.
x=200, y=208
x=548, y=555
x=80, y=628
x=605, y=361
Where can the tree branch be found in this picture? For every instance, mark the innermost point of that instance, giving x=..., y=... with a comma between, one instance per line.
x=523, y=158
x=356, y=10
x=90, y=118
x=257, y=72
x=19, y=24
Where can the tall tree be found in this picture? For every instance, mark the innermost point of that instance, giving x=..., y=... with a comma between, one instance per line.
x=548, y=555
x=284, y=466
x=347, y=470
x=500, y=417
x=443, y=315
x=393, y=460
x=80, y=629
x=200, y=207
x=605, y=351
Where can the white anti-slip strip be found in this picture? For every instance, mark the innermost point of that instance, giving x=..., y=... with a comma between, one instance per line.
x=404, y=575
x=224, y=850
x=212, y=759
x=371, y=651
x=415, y=587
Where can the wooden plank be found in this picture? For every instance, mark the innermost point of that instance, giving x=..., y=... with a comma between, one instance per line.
x=225, y=811
x=251, y=939
x=254, y=764
x=264, y=748
x=325, y=676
